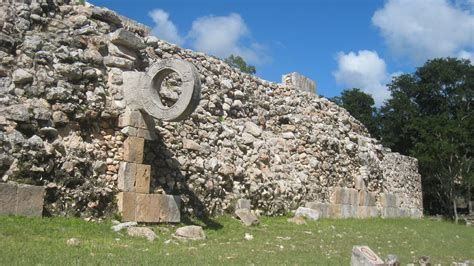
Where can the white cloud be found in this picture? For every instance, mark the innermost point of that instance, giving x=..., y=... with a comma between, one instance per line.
x=364, y=70
x=424, y=29
x=164, y=28
x=221, y=36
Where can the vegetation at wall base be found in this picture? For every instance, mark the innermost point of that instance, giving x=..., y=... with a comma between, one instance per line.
x=324, y=242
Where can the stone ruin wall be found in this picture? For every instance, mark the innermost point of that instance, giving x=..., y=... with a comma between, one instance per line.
x=62, y=100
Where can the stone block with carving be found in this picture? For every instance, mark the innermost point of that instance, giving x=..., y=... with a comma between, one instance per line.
x=364, y=256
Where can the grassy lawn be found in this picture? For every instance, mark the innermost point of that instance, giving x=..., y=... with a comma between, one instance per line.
x=325, y=242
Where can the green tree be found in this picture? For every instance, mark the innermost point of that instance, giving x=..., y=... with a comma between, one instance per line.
x=239, y=63
x=430, y=117
x=361, y=106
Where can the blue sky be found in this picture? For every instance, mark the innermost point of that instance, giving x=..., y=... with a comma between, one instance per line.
x=340, y=43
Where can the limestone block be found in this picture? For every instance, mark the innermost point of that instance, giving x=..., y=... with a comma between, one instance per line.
x=343, y=210
x=145, y=210
x=134, y=177
x=133, y=119
x=133, y=149
x=246, y=217
x=359, y=183
x=126, y=177
x=29, y=200
x=367, y=212
x=169, y=208
x=126, y=205
x=142, y=178
x=390, y=212
x=347, y=196
x=323, y=208
x=127, y=39
x=155, y=208
x=366, y=198
x=243, y=204
x=364, y=256
x=7, y=198
x=308, y=213
x=389, y=200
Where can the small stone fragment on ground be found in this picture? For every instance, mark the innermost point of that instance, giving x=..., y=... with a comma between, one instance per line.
x=73, y=242
x=308, y=213
x=392, y=260
x=144, y=232
x=190, y=232
x=121, y=226
x=246, y=217
x=248, y=237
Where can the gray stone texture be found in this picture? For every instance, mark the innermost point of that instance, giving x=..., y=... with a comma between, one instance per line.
x=364, y=256
x=21, y=199
x=299, y=81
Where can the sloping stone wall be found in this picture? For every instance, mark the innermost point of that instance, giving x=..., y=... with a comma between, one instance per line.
x=61, y=96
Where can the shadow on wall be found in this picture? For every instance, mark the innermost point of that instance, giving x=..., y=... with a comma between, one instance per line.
x=169, y=177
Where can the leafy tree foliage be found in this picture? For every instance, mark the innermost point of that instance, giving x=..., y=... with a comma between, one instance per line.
x=361, y=106
x=239, y=63
x=430, y=117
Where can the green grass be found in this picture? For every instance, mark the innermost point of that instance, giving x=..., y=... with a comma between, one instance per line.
x=325, y=242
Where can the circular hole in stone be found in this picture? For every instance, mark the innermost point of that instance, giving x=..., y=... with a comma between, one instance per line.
x=170, y=89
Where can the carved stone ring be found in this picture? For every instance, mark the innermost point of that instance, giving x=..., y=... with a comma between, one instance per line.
x=141, y=90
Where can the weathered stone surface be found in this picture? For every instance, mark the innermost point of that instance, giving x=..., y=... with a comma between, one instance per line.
x=253, y=129
x=7, y=198
x=127, y=202
x=120, y=226
x=392, y=260
x=364, y=256
x=155, y=208
x=127, y=39
x=345, y=196
x=115, y=61
x=133, y=149
x=134, y=119
x=310, y=214
x=21, y=76
x=126, y=177
x=390, y=212
x=142, y=178
x=29, y=200
x=323, y=208
x=190, y=144
x=389, y=200
x=299, y=81
x=190, y=232
x=143, y=232
x=244, y=204
x=246, y=217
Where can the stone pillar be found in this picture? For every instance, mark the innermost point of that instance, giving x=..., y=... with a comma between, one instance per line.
x=135, y=201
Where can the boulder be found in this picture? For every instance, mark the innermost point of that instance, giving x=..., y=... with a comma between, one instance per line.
x=190, y=232
x=143, y=232
x=308, y=213
x=247, y=217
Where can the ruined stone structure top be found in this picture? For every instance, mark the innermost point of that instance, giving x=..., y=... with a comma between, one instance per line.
x=300, y=82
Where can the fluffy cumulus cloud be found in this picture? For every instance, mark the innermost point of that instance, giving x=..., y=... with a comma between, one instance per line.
x=424, y=29
x=164, y=28
x=364, y=70
x=220, y=36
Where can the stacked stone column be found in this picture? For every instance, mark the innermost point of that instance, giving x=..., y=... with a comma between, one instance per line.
x=135, y=201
